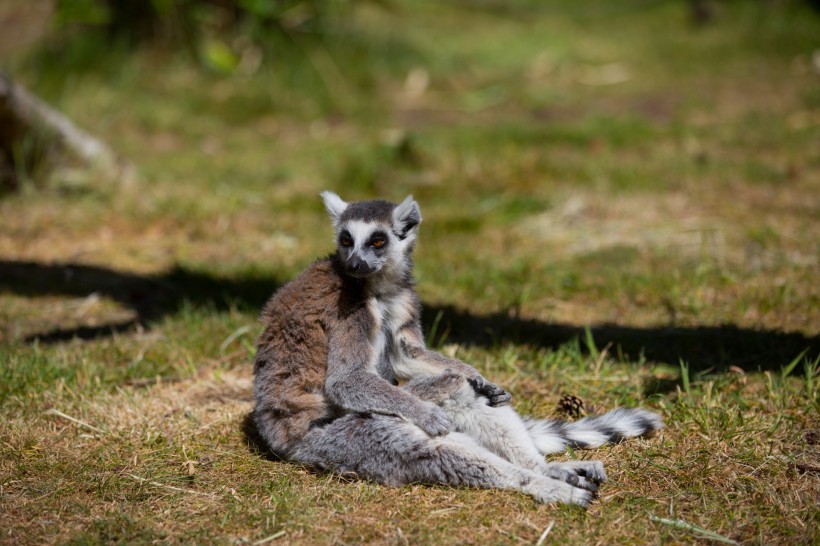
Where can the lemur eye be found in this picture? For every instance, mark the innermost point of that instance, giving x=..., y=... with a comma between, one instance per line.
x=377, y=243
x=345, y=241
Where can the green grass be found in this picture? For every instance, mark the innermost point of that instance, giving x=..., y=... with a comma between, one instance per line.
x=617, y=205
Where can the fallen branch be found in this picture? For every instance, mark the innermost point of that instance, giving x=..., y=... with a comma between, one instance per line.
x=22, y=114
x=685, y=526
x=74, y=420
x=274, y=536
x=171, y=487
x=31, y=112
x=545, y=534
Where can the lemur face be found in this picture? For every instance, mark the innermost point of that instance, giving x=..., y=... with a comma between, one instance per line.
x=373, y=236
x=363, y=247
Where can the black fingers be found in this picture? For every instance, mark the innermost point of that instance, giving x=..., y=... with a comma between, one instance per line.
x=501, y=399
x=496, y=395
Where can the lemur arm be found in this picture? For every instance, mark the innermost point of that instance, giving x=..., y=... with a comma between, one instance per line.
x=352, y=383
x=418, y=360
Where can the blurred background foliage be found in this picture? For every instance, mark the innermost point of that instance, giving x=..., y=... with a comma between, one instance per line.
x=617, y=151
x=329, y=41
x=220, y=33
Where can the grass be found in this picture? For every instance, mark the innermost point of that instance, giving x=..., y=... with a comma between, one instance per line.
x=618, y=205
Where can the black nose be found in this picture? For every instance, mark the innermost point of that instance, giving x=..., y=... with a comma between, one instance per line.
x=358, y=267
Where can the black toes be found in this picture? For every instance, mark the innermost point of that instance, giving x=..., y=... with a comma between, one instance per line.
x=589, y=486
x=501, y=399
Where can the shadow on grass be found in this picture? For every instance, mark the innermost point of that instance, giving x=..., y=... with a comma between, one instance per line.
x=702, y=347
x=256, y=443
x=155, y=296
x=151, y=297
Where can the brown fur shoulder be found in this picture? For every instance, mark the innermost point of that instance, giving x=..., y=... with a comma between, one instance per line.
x=306, y=291
x=291, y=358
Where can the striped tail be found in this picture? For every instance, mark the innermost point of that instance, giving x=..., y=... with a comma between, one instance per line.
x=552, y=435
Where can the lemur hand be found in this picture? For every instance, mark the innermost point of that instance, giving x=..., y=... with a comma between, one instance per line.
x=432, y=420
x=497, y=395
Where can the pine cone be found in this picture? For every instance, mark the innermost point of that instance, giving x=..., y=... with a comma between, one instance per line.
x=571, y=405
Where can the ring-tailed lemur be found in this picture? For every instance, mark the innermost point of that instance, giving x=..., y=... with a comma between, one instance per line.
x=340, y=338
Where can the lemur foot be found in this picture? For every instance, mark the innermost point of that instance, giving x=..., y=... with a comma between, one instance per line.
x=585, y=474
x=548, y=491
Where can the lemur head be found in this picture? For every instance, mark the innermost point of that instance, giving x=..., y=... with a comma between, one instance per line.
x=374, y=237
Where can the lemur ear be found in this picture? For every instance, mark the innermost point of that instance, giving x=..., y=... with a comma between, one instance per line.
x=334, y=204
x=406, y=216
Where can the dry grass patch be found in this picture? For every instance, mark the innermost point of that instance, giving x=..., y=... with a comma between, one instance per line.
x=169, y=461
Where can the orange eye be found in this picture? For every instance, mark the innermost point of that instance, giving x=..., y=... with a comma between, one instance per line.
x=346, y=241
x=377, y=243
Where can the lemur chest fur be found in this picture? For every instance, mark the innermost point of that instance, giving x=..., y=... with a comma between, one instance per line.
x=390, y=313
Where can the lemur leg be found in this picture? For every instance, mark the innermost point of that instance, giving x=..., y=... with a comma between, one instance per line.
x=389, y=450
x=499, y=429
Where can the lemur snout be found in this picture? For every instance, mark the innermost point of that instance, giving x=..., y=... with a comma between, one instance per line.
x=358, y=267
